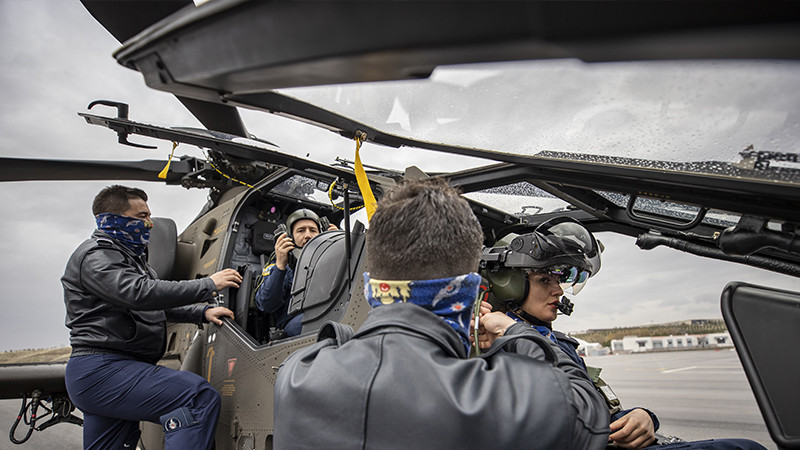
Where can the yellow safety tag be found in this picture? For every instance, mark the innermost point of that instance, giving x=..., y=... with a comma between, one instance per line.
x=163, y=173
x=361, y=178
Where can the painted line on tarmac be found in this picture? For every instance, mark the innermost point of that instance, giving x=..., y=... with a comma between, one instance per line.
x=679, y=370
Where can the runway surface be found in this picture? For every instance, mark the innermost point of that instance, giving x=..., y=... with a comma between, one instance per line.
x=696, y=395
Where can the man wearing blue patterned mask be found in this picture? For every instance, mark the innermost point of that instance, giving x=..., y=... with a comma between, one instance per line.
x=117, y=311
x=404, y=380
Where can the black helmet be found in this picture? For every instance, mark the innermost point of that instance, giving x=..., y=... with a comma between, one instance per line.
x=561, y=246
x=558, y=241
x=301, y=214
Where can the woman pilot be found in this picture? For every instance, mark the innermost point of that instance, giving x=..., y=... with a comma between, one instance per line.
x=527, y=276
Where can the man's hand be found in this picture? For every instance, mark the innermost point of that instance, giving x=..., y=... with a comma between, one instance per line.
x=633, y=430
x=492, y=326
x=226, y=278
x=283, y=246
x=486, y=308
x=213, y=315
x=332, y=227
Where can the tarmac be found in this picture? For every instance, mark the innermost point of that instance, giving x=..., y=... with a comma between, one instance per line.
x=696, y=395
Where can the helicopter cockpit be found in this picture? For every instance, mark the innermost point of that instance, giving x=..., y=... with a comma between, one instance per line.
x=331, y=257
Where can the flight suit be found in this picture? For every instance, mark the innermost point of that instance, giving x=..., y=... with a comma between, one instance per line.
x=274, y=295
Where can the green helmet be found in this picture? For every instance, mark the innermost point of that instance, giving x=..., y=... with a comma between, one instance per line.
x=560, y=246
x=301, y=214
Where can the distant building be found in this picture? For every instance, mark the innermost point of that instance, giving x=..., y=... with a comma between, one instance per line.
x=635, y=344
x=590, y=348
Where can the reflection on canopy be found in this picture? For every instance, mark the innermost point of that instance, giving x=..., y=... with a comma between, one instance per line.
x=672, y=111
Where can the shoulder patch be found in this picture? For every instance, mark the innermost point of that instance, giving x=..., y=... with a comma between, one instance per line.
x=266, y=270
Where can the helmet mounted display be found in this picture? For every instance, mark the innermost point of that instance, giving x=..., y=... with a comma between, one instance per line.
x=561, y=247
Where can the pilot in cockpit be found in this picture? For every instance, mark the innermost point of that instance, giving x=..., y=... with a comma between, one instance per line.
x=274, y=293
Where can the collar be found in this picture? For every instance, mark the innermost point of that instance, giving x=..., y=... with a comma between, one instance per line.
x=100, y=236
x=544, y=328
x=449, y=298
x=413, y=319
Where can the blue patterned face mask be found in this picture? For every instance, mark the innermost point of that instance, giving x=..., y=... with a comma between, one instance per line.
x=449, y=298
x=131, y=232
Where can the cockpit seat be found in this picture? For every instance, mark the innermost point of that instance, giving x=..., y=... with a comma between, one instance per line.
x=323, y=277
x=163, y=247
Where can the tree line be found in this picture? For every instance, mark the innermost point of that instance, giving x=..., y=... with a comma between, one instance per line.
x=605, y=336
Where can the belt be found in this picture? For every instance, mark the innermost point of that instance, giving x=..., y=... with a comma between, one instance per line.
x=86, y=351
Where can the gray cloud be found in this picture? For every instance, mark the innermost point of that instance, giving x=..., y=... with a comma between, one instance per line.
x=56, y=59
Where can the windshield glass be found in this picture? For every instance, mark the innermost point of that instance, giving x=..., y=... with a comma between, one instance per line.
x=520, y=200
x=524, y=201
x=678, y=211
x=671, y=111
x=304, y=188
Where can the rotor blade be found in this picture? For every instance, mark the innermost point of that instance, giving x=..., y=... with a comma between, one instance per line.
x=215, y=116
x=229, y=145
x=23, y=169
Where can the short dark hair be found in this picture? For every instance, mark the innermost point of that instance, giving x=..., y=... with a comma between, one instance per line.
x=423, y=230
x=116, y=199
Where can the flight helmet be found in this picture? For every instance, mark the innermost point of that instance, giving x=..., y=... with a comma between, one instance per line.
x=559, y=246
x=301, y=214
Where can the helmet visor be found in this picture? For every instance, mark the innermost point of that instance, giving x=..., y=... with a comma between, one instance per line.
x=571, y=279
x=564, y=238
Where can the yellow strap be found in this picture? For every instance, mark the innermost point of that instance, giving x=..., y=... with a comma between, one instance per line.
x=163, y=173
x=361, y=177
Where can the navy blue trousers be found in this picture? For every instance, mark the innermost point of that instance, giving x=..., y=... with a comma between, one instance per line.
x=115, y=393
x=294, y=326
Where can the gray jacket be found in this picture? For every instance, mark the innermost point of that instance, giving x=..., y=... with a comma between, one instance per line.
x=115, y=303
x=403, y=382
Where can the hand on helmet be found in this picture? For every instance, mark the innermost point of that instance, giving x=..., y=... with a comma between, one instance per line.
x=491, y=325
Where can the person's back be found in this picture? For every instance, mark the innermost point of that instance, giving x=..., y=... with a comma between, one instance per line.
x=400, y=383
x=403, y=381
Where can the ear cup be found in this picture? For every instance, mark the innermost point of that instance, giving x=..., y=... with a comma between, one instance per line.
x=506, y=285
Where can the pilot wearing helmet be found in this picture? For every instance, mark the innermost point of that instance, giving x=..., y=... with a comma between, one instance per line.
x=527, y=276
x=405, y=380
x=275, y=292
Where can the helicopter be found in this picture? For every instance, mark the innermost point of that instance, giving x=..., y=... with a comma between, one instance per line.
x=746, y=211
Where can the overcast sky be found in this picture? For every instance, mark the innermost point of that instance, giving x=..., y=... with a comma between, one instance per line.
x=56, y=59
